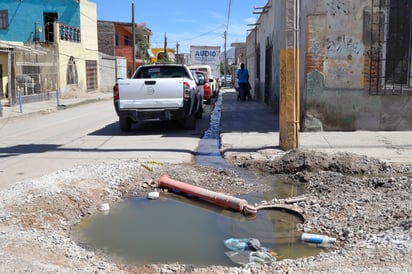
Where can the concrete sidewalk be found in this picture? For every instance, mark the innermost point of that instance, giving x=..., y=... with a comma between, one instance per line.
x=20, y=110
x=250, y=125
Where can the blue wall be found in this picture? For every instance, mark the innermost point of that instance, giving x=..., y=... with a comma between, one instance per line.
x=23, y=14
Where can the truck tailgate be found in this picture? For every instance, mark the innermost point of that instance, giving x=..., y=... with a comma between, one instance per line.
x=157, y=93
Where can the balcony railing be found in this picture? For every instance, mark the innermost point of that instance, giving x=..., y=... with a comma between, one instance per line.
x=69, y=33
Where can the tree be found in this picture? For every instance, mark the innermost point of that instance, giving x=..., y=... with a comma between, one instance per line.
x=142, y=48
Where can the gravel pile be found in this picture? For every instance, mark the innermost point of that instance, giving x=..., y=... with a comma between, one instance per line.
x=362, y=202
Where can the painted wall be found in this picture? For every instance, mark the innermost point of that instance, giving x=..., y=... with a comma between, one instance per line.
x=107, y=70
x=334, y=61
x=24, y=14
x=335, y=87
x=86, y=50
x=5, y=66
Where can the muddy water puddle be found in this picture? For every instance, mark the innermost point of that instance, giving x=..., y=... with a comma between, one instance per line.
x=175, y=228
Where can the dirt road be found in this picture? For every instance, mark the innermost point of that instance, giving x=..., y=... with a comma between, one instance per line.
x=364, y=203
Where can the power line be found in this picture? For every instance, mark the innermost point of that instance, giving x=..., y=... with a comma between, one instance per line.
x=228, y=14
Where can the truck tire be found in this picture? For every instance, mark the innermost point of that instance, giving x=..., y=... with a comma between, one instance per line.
x=190, y=122
x=125, y=123
x=199, y=112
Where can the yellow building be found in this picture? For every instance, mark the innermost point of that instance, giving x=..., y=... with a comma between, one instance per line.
x=157, y=55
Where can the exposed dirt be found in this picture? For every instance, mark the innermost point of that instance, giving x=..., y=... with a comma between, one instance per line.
x=365, y=203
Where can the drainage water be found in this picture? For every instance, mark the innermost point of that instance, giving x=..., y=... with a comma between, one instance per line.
x=175, y=228
x=178, y=229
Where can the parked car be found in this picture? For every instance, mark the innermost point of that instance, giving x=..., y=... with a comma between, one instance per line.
x=159, y=92
x=207, y=90
x=227, y=80
x=213, y=80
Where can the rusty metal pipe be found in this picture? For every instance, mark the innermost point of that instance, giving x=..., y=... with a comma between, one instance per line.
x=220, y=199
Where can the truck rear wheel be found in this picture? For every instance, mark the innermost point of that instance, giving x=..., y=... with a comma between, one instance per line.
x=125, y=123
x=199, y=112
x=190, y=122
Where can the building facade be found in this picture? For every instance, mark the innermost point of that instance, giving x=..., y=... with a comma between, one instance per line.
x=116, y=39
x=47, y=47
x=355, y=69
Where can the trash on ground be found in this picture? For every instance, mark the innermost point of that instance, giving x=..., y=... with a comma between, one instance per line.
x=153, y=195
x=248, y=250
x=318, y=239
x=246, y=257
x=104, y=207
x=241, y=244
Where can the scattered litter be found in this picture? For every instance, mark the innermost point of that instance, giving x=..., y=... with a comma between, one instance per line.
x=248, y=250
x=240, y=244
x=247, y=257
x=235, y=244
x=149, y=168
x=150, y=165
x=104, y=207
x=318, y=239
x=153, y=195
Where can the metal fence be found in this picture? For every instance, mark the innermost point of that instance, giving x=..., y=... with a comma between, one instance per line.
x=35, y=72
x=389, y=54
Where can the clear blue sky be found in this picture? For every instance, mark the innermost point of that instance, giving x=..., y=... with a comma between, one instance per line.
x=187, y=22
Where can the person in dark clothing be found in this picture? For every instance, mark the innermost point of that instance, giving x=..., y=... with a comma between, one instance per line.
x=243, y=82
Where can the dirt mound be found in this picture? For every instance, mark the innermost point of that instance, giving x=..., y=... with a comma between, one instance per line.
x=295, y=161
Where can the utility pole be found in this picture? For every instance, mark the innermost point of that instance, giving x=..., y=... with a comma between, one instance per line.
x=133, y=40
x=177, y=52
x=166, y=55
x=225, y=61
x=289, y=117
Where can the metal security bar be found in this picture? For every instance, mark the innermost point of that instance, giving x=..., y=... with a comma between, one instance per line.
x=390, y=61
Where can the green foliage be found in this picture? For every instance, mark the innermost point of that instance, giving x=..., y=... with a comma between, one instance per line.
x=142, y=48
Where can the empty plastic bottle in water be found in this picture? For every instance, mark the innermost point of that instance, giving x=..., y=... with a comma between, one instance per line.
x=318, y=239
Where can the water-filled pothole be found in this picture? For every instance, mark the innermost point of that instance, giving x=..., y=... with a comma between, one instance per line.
x=175, y=228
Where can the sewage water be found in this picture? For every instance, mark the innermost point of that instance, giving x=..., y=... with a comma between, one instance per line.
x=175, y=228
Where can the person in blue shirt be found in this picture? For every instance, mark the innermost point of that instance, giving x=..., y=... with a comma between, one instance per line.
x=243, y=82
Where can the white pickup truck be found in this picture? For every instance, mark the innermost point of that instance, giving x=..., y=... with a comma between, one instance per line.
x=159, y=92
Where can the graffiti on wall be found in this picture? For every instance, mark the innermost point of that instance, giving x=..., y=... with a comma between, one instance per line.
x=316, y=51
x=337, y=7
x=343, y=47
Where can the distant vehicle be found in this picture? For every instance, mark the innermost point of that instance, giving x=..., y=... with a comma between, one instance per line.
x=207, y=92
x=206, y=58
x=159, y=92
x=227, y=80
x=213, y=82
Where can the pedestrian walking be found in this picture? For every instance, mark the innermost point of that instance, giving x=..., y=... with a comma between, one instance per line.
x=243, y=83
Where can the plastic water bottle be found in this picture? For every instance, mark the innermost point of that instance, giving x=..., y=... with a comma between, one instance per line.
x=317, y=239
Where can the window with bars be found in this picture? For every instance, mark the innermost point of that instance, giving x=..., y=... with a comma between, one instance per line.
x=4, y=19
x=390, y=61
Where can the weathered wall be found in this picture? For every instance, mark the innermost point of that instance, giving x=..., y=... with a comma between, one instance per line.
x=335, y=68
x=107, y=70
x=106, y=37
x=263, y=67
x=334, y=46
